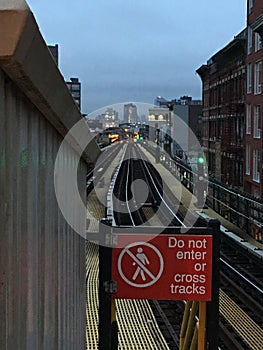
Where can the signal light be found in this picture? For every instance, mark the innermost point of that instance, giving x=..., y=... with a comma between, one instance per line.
x=201, y=160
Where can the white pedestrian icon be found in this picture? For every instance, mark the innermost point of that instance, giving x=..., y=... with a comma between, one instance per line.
x=144, y=260
x=142, y=263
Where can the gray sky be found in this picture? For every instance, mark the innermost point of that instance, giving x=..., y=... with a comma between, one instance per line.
x=134, y=50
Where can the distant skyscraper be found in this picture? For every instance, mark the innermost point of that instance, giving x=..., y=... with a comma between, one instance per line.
x=130, y=113
x=108, y=119
x=74, y=85
x=75, y=88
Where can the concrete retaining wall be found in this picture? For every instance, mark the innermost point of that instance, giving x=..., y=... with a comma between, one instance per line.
x=42, y=259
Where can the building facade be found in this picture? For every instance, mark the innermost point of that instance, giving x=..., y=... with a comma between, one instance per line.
x=159, y=121
x=253, y=175
x=223, y=93
x=109, y=119
x=130, y=114
x=190, y=112
x=74, y=86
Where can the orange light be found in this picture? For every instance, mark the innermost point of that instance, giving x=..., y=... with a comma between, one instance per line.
x=113, y=136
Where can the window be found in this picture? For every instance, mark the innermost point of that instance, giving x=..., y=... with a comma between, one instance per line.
x=238, y=129
x=249, y=78
x=249, y=40
x=258, y=77
x=256, y=165
x=258, y=42
x=248, y=159
x=75, y=87
x=257, y=121
x=248, y=120
x=250, y=6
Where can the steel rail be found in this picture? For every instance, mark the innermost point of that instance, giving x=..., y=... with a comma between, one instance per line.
x=251, y=284
x=109, y=210
x=158, y=192
x=127, y=190
x=100, y=167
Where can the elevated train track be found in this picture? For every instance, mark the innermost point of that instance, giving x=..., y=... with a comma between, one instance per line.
x=241, y=296
x=138, y=328
x=237, y=207
x=136, y=167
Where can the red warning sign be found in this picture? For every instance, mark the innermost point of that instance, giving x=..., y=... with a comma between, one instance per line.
x=163, y=267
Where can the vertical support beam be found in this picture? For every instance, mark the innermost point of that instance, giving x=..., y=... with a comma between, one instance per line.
x=202, y=325
x=214, y=196
x=105, y=256
x=213, y=305
x=231, y=201
x=190, y=326
x=239, y=210
x=185, y=322
x=194, y=344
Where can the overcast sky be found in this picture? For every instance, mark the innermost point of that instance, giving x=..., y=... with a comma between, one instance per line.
x=134, y=50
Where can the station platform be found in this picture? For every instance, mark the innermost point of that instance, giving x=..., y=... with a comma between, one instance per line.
x=135, y=319
x=138, y=328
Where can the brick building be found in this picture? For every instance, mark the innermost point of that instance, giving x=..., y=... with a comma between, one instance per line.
x=254, y=99
x=223, y=91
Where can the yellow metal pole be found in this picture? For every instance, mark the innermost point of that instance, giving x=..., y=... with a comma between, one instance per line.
x=190, y=326
x=202, y=325
x=113, y=310
x=185, y=322
x=195, y=338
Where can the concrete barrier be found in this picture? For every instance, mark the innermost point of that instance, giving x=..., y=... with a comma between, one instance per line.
x=42, y=259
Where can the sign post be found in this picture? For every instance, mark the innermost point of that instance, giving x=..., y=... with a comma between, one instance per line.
x=105, y=288
x=202, y=325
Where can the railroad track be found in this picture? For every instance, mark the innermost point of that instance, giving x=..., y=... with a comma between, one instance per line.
x=129, y=210
x=95, y=173
x=134, y=168
x=138, y=328
x=235, y=316
x=241, y=297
